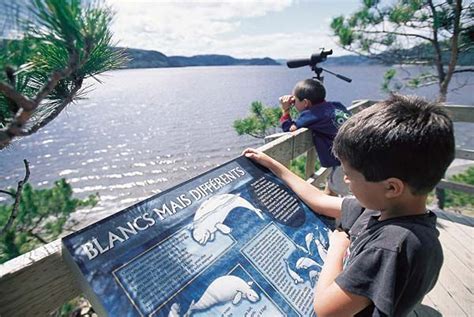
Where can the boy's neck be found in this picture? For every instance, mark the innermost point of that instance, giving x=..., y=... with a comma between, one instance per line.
x=318, y=103
x=409, y=206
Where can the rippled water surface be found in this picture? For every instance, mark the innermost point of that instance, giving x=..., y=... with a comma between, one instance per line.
x=144, y=131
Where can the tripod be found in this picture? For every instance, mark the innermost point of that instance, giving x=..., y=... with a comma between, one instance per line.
x=318, y=70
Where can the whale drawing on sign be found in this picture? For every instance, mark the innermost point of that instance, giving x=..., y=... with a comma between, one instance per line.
x=294, y=276
x=321, y=250
x=175, y=310
x=210, y=216
x=308, y=239
x=313, y=277
x=322, y=238
x=304, y=263
x=301, y=248
x=228, y=288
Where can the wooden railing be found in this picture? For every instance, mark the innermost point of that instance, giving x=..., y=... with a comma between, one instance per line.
x=458, y=114
x=36, y=283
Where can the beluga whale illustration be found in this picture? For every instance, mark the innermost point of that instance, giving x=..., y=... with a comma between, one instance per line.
x=175, y=310
x=305, y=263
x=222, y=290
x=294, y=276
x=211, y=214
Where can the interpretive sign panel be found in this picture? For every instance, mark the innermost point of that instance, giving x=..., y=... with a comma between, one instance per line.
x=234, y=241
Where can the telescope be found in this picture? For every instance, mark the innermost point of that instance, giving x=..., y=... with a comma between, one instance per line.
x=313, y=63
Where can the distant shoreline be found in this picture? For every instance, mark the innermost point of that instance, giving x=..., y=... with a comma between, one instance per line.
x=140, y=59
x=154, y=59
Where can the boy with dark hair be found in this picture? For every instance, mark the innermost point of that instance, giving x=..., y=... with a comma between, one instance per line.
x=386, y=256
x=323, y=118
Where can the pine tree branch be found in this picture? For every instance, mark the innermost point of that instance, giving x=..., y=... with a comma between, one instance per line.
x=467, y=70
x=6, y=192
x=16, y=97
x=427, y=84
x=87, y=47
x=15, y=128
x=38, y=237
x=397, y=33
x=37, y=223
x=72, y=65
x=16, y=204
x=57, y=110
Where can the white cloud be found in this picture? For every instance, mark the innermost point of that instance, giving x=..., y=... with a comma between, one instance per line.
x=208, y=27
x=276, y=45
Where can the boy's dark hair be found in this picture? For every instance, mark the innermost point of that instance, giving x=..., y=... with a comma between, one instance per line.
x=405, y=137
x=311, y=89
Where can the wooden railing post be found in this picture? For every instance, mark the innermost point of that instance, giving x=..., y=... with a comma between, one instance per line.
x=440, y=197
x=36, y=283
x=310, y=163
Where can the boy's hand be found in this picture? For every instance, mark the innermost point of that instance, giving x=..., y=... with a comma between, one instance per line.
x=293, y=128
x=339, y=240
x=286, y=102
x=258, y=157
x=330, y=299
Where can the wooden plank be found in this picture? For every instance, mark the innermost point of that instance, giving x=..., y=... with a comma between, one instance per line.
x=462, y=236
x=466, y=188
x=295, y=143
x=465, y=154
x=462, y=222
x=319, y=178
x=303, y=141
x=459, y=290
x=444, y=302
x=460, y=252
x=460, y=266
x=310, y=163
x=270, y=138
x=460, y=218
x=280, y=149
x=427, y=301
x=460, y=113
x=36, y=283
x=359, y=105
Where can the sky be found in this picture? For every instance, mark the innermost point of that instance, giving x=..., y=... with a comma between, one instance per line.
x=244, y=28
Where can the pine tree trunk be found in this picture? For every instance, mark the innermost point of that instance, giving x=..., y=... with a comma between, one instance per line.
x=443, y=92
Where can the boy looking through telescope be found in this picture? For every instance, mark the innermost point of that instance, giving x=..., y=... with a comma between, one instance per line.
x=323, y=118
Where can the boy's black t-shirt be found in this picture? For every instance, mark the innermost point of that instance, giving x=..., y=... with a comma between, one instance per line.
x=394, y=262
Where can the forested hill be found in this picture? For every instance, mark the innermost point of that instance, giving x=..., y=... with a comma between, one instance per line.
x=153, y=59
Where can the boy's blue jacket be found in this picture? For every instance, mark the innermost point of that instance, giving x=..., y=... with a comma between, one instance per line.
x=323, y=119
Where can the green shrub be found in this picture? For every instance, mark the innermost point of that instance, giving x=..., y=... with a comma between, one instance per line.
x=460, y=199
x=41, y=216
x=298, y=165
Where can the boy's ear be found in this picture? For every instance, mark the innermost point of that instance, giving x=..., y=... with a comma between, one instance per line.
x=394, y=187
x=307, y=103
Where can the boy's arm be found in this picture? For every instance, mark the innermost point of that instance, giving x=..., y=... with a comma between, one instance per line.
x=314, y=198
x=330, y=299
x=285, y=103
x=286, y=121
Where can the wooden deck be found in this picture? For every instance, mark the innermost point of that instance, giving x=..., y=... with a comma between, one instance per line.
x=453, y=293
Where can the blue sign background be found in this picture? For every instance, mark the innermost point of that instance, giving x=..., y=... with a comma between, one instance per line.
x=125, y=280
